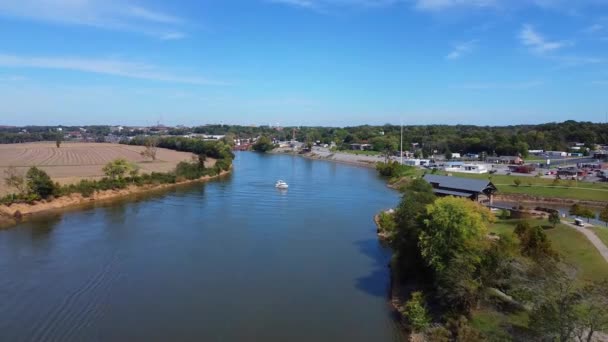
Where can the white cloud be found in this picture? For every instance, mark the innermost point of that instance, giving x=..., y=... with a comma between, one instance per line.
x=106, y=14
x=537, y=42
x=461, y=49
x=112, y=67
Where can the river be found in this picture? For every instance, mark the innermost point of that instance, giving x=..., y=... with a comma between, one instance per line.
x=230, y=260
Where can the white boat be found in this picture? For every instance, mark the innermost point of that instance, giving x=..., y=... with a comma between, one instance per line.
x=281, y=185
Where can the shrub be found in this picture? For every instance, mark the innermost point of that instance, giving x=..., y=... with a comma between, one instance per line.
x=39, y=183
x=416, y=312
x=118, y=168
x=185, y=170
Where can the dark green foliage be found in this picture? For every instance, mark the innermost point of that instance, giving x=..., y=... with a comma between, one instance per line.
x=496, y=268
x=211, y=149
x=554, y=218
x=263, y=144
x=393, y=169
x=409, y=219
x=534, y=242
x=604, y=215
x=416, y=312
x=39, y=183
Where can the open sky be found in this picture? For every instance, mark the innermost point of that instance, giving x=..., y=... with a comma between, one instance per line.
x=302, y=62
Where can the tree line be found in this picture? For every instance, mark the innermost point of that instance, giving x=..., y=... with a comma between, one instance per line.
x=422, y=139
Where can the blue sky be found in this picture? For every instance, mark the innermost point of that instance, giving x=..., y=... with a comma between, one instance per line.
x=303, y=62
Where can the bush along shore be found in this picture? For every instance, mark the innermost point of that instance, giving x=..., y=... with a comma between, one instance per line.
x=36, y=192
x=458, y=273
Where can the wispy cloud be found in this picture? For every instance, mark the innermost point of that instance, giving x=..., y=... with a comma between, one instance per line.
x=500, y=85
x=461, y=49
x=12, y=78
x=106, y=14
x=324, y=5
x=594, y=28
x=440, y=5
x=112, y=67
x=538, y=43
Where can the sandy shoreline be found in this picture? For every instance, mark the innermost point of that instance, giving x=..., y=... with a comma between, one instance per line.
x=342, y=158
x=10, y=217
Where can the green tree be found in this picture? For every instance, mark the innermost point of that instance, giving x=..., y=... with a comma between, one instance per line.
x=416, y=312
x=534, y=242
x=504, y=214
x=39, y=183
x=117, y=169
x=58, y=139
x=575, y=209
x=604, y=215
x=554, y=218
x=455, y=226
x=409, y=218
x=587, y=213
x=517, y=182
x=263, y=144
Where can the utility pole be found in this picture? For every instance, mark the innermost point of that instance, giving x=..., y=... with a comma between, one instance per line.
x=401, y=154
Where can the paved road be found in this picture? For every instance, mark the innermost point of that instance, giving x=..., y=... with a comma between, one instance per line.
x=599, y=245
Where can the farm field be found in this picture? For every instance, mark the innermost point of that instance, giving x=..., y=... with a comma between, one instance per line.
x=75, y=161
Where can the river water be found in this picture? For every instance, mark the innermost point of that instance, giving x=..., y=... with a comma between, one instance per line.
x=231, y=260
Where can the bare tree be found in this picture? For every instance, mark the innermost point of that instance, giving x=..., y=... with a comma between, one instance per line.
x=150, y=148
x=15, y=179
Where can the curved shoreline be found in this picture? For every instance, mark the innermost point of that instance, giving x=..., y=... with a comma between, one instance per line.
x=8, y=216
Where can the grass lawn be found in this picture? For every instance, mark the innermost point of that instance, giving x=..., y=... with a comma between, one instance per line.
x=358, y=152
x=573, y=246
x=536, y=186
x=492, y=323
x=602, y=233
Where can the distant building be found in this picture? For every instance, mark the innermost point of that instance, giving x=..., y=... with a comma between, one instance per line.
x=536, y=152
x=556, y=153
x=474, y=189
x=416, y=162
x=466, y=168
x=513, y=160
x=361, y=147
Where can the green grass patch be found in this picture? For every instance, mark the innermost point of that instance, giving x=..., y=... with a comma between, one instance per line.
x=602, y=233
x=544, y=187
x=362, y=153
x=491, y=324
x=573, y=247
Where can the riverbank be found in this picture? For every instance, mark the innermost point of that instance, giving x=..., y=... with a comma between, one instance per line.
x=337, y=157
x=17, y=212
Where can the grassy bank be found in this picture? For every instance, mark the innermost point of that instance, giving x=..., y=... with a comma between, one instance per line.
x=542, y=187
x=602, y=233
x=573, y=246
